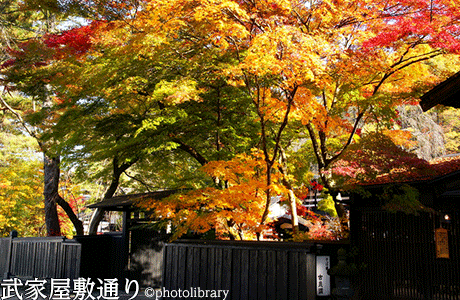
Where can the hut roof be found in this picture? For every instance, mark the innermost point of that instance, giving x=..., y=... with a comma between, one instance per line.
x=125, y=202
x=446, y=93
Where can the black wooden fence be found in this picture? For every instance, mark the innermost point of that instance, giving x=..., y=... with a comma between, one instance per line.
x=110, y=256
x=400, y=253
x=102, y=256
x=146, y=253
x=50, y=257
x=248, y=270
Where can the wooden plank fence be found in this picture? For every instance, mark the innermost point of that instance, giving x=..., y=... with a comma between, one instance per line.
x=248, y=270
x=44, y=257
x=4, y=252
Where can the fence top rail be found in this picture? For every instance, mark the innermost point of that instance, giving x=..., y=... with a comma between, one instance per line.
x=70, y=241
x=51, y=239
x=310, y=246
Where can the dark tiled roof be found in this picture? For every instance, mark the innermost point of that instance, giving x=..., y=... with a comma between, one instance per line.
x=124, y=202
x=446, y=93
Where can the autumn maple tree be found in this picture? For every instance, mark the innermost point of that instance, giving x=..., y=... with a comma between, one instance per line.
x=233, y=212
x=214, y=79
x=326, y=67
x=375, y=155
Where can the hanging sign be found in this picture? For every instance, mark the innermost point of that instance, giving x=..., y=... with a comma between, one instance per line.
x=442, y=243
x=323, y=280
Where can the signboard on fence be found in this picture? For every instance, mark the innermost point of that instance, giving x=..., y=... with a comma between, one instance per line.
x=323, y=280
x=442, y=243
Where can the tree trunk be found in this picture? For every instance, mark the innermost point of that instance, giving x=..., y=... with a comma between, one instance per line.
x=78, y=225
x=52, y=198
x=96, y=218
x=117, y=171
x=291, y=196
x=51, y=169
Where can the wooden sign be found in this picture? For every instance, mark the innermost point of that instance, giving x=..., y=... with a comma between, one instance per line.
x=442, y=243
x=323, y=280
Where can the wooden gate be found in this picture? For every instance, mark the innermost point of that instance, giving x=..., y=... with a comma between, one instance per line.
x=248, y=270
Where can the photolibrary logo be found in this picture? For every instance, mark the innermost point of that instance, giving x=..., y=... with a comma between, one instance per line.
x=193, y=292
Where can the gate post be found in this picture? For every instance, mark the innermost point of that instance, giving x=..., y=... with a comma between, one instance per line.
x=311, y=276
x=13, y=234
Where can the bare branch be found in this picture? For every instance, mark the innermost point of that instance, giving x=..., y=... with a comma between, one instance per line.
x=21, y=120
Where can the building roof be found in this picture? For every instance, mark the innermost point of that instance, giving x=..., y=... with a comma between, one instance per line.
x=125, y=202
x=446, y=93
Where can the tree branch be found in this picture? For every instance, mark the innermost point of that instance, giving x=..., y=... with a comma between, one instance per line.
x=316, y=147
x=192, y=151
x=350, y=139
x=138, y=180
x=21, y=120
x=71, y=214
